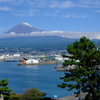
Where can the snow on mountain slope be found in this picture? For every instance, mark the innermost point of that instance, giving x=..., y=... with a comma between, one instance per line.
x=22, y=28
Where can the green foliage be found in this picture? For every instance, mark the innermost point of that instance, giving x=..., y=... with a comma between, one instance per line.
x=13, y=96
x=32, y=94
x=86, y=73
x=4, y=90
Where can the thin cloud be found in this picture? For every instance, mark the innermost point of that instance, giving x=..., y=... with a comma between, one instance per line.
x=38, y=3
x=1, y=1
x=52, y=15
x=89, y=3
x=2, y=29
x=21, y=15
x=53, y=5
x=5, y=8
x=68, y=34
x=74, y=16
x=12, y=1
x=67, y=16
x=64, y=4
x=30, y=12
x=97, y=11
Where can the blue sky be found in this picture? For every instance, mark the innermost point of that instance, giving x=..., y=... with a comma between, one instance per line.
x=51, y=15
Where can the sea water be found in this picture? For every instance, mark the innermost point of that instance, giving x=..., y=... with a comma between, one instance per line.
x=43, y=77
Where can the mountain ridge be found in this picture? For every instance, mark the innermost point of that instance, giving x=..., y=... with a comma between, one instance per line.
x=25, y=35
x=25, y=29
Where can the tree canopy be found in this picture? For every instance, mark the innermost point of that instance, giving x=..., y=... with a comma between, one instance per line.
x=32, y=94
x=4, y=89
x=85, y=74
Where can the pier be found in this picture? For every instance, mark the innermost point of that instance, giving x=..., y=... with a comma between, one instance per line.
x=40, y=63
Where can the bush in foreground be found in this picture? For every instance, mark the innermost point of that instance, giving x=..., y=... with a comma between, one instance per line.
x=32, y=94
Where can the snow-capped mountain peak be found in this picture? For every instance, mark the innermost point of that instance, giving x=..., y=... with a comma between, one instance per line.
x=23, y=27
x=24, y=23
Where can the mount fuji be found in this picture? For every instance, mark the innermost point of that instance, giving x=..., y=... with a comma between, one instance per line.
x=22, y=28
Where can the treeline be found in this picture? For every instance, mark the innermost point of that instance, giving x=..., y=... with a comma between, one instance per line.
x=30, y=94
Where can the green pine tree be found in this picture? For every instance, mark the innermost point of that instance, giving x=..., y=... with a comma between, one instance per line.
x=4, y=89
x=85, y=74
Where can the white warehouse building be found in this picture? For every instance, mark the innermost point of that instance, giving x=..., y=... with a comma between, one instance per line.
x=32, y=61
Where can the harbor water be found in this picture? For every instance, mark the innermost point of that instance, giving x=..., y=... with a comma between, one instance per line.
x=43, y=77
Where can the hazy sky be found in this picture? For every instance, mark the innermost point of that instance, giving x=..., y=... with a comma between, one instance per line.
x=51, y=15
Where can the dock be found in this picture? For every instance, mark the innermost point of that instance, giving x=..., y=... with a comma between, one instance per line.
x=40, y=63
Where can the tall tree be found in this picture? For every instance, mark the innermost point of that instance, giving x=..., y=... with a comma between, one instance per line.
x=85, y=74
x=4, y=89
